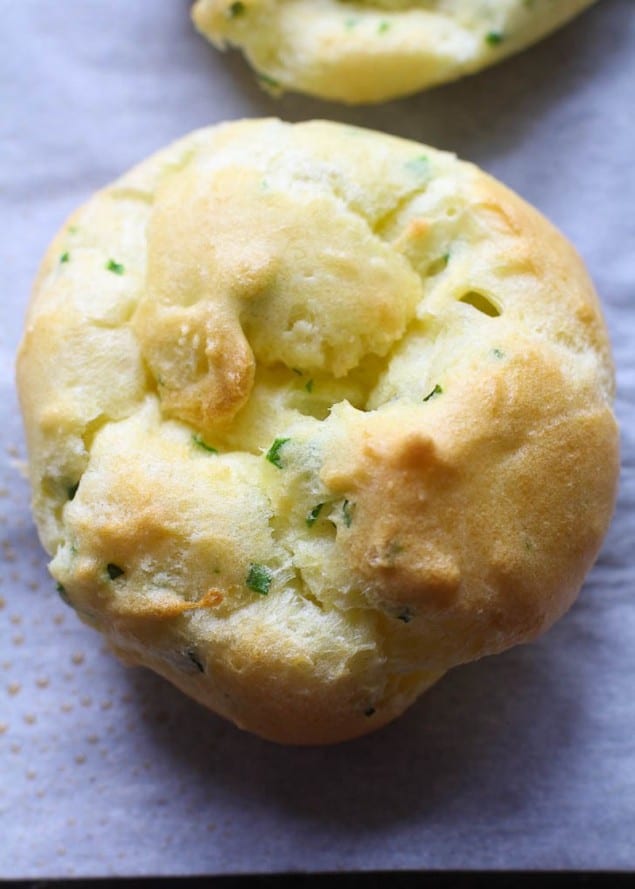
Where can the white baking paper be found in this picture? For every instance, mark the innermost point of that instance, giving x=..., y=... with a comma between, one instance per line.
x=526, y=760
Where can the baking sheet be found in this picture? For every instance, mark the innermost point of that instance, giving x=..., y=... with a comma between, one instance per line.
x=526, y=760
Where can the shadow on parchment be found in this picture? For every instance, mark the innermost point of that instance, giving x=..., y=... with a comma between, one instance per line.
x=479, y=117
x=480, y=734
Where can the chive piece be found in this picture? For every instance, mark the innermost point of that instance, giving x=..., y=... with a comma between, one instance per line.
x=116, y=268
x=236, y=9
x=297, y=371
x=498, y=353
x=200, y=443
x=191, y=654
x=266, y=80
x=309, y=386
x=494, y=38
x=65, y=257
x=312, y=516
x=418, y=165
x=259, y=579
x=72, y=490
x=114, y=571
x=369, y=711
x=438, y=389
x=61, y=592
x=347, y=512
x=273, y=454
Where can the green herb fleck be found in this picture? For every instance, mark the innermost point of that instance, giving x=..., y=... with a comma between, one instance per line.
x=200, y=443
x=312, y=516
x=347, y=512
x=195, y=660
x=266, y=80
x=494, y=38
x=297, y=371
x=438, y=389
x=351, y=23
x=65, y=257
x=72, y=229
x=405, y=615
x=438, y=265
x=369, y=711
x=61, y=592
x=116, y=268
x=236, y=9
x=383, y=27
x=114, y=571
x=309, y=386
x=259, y=579
x=420, y=166
x=498, y=353
x=72, y=490
x=273, y=454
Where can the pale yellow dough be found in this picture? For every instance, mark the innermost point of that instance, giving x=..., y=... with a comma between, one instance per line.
x=315, y=414
x=374, y=50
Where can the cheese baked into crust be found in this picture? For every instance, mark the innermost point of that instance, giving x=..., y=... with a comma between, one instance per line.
x=315, y=414
x=374, y=50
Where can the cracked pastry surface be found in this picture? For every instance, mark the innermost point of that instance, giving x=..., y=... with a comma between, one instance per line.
x=315, y=414
x=364, y=51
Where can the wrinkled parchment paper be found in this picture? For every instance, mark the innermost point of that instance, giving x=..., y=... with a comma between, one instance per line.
x=526, y=760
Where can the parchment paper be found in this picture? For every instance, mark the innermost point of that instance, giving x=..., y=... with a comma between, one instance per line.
x=526, y=760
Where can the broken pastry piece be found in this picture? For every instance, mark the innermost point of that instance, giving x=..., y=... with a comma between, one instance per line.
x=374, y=50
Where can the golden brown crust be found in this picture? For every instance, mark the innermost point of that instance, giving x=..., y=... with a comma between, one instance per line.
x=313, y=416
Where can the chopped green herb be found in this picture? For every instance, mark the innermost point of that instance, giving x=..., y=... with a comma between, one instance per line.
x=114, y=571
x=438, y=265
x=369, y=711
x=200, y=443
x=266, y=80
x=392, y=551
x=347, y=512
x=115, y=267
x=498, y=353
x=297, y=371
x=72, y=490
x=312, y=517
x=309, y=386
x=420, y=166
x=259, y=579
x=72, y=229
x=65, y=257
x=438, y=389
x=494, y=38
x=383, y=27
x=273, y=454
x=61, y=592
x=236, y=9
x=193, y=657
